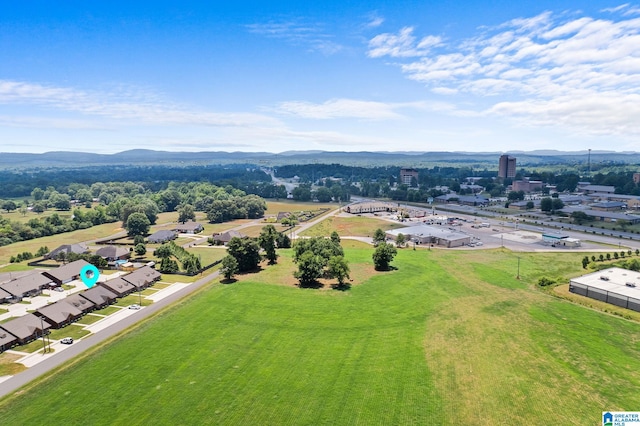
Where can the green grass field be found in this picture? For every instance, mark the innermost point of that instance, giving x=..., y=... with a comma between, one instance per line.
x=352, y=226
x=447, y=338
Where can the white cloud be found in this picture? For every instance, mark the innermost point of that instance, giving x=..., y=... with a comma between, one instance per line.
x=401, y=45
x=575, y=72
x=124, y=106
x=345, y=108
x=313, y=36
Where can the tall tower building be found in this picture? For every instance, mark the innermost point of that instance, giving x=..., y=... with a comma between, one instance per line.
x=507, y=166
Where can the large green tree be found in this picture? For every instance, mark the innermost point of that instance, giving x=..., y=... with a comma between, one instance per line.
x=137, y=224
x=186, y=212
x=338, y=268
x=229, y=267
x=267, y=240
x=383, y=255
x=310, y=268
x=246, y=251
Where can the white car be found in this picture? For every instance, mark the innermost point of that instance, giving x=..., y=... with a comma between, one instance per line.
x=67, y=341
x=135, y=306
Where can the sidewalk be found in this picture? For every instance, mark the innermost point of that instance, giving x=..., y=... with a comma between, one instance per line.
x=29, y=360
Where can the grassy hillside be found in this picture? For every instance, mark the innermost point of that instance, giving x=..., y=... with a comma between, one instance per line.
x=447, y=338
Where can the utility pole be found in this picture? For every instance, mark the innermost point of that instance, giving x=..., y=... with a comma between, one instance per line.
x=518, y=276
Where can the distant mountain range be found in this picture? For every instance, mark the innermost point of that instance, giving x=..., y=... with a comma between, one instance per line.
x=142, y=157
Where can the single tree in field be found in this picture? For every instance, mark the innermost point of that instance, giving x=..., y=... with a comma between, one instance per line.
x=137, y=224
x=267, y=241
x=383, y=255
x=338, y=268
x=378, y=237
x=400, y=240
x=229, y=267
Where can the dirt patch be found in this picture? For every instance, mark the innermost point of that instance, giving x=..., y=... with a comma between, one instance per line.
x=9, y=366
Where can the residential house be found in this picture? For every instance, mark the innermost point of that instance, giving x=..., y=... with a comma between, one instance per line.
x=119, y=286
x=143, y=277
x=26, y=286
x=66, y=273
x=65, y=249
x=113, y=253
x=26, y=328
x=188, y=228
x=7, y=340
x=85, y=305
x=162, y=236
x=5, y=296
x=100, y=296
x=59, y=314
x=225, y=237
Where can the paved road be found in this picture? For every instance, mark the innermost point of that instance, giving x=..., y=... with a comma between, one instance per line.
x=59, y=358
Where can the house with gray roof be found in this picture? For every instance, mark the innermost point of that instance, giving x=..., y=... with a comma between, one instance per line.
x=59, y=314
x=113, y=253
x=66, y=273
x=225, y=237
x=188, y=228
x=7, y=340
x=85, y=305
x=143, y=277
x=119, y=286
x=26, y=286
x=162, y=236
x=5, y=296
x=100, y=296
x=26, y=328
x=79, y=248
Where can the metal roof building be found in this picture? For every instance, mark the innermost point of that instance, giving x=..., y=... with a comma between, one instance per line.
x=620, y=287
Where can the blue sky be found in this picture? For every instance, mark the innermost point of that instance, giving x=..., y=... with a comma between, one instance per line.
x=107, y=76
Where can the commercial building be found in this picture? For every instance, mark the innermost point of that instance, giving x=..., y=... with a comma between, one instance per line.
x=425, y=234
x=507, y=167
x=617, y=286
x=407, y=176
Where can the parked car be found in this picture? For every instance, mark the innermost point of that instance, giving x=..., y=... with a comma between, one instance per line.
x=59, y=289
x=135, y=306
x=630, y=284
x=67, y=341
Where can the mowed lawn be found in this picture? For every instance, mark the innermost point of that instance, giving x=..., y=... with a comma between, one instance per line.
x=352, y=226
x=448, y=338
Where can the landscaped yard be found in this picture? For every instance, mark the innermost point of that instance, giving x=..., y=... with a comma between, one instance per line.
x=447, y=338
x=73, y=330
x=89, y=319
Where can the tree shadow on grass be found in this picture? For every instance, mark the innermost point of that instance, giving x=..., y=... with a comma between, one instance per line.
x=341, y=287
x=388, y=268
x=228, y=281
x=312, y=284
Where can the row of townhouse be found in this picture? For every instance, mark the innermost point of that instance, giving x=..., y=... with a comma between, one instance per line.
x=32, y=326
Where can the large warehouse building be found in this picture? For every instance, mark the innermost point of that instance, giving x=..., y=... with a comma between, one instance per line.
x=617, y=286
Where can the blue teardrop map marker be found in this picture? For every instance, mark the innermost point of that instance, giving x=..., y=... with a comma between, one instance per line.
x=93, y=271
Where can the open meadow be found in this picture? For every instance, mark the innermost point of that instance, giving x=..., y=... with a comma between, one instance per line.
x=447, y=338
